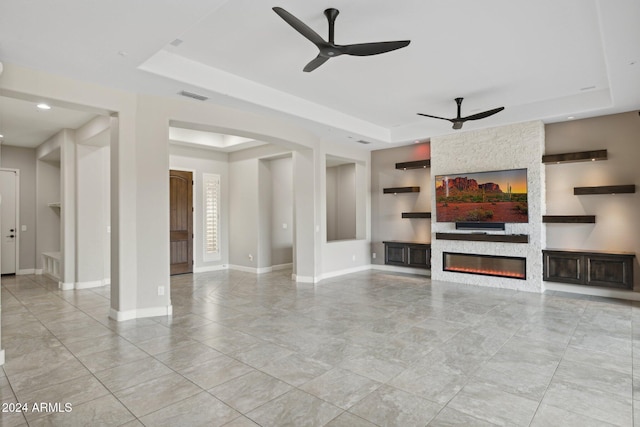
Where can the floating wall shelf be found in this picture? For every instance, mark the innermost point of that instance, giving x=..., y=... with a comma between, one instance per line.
x=482, y=237
x=395, y=190
x=417, y=164
x=569, y=219
x=416, y=214
x=605, y=189
x=582, y=156
x=54, y=205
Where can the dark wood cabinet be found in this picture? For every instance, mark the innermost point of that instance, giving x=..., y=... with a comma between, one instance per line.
x=606, y=269
x=407, y=254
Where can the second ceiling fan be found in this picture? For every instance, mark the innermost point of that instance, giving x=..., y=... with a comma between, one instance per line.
x=328, y=49
x=459, y=120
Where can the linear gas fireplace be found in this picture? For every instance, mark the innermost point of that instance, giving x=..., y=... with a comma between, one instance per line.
x=486, y=265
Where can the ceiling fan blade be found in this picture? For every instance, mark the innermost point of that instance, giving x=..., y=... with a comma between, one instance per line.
x=300, y=26
x=367, y=49
x=315, y=63
x=483, y=114
x=435, y=117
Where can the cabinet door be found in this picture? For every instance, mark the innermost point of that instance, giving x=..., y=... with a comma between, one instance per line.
x=563, y=267
x=395, y=254
x=419, y=256
x=609, y=271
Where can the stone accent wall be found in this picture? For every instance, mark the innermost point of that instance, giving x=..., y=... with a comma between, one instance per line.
x=510, y=147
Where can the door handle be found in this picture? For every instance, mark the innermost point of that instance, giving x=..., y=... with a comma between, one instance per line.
x=12, y=236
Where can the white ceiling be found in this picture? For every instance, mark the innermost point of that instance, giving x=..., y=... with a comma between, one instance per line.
x=545, y=59
x=22, y=124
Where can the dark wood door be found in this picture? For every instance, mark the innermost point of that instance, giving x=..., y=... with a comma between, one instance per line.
x=181, y=221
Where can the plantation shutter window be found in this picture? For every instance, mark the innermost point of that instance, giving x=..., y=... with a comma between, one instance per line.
x=211, y=184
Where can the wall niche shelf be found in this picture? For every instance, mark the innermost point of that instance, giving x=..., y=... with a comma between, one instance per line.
x=483, y=237
x=604, y=189
x=395, y=190
x=569, y=219
x=582, y=156
x=417, y=164
x=54, y=205
x=416, y=214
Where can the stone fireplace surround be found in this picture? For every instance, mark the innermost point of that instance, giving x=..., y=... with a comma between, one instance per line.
x=508, y=147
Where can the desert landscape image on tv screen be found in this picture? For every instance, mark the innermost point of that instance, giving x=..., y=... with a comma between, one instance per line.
x=495, y=196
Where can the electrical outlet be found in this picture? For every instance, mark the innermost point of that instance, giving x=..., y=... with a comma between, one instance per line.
x=250, y=257
x=160, y=291
x=23, y=228
x=373, y=255
x=284, y=225
x=353, y=257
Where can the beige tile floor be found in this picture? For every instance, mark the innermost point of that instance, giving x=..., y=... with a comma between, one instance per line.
x=367, y=349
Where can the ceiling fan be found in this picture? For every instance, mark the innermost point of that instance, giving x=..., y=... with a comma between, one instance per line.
x=459, y=120
x=328, y=49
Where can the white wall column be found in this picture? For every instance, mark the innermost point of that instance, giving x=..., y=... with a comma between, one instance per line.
x=68, y=208
x=306, y=233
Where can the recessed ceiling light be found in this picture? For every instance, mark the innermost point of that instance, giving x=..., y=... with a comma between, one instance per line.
x=44, y=106
x=570, y=118
x=1, y=135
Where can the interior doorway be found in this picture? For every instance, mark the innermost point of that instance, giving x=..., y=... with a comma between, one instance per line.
x=181, y=221
x=9, y=220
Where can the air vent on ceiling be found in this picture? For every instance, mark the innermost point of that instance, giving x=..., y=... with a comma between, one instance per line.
x=176, y=42
x=362, y=141
x=193, y=95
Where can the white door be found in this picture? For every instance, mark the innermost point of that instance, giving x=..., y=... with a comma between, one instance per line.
x=8, y=230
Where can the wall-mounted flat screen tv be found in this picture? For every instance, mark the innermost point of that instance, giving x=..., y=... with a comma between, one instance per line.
x=494, y=196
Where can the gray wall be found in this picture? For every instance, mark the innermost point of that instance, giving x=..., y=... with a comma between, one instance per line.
x=250, y=204
x=24, y=159
x=617, y=228
x=92, y=204
x=341, y=202
x=281, y=211
x=386, y=209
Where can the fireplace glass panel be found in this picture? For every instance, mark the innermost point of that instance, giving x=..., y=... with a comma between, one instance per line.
x=486, y=265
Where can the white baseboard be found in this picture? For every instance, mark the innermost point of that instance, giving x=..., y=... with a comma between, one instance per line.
x=210, y=268
x=26, y=271
x=338, y=273
x=88, y=285
x=302, y=279
x=140, y=313
x=593, y=291
x=1, y=357
x=282, y=266
x=243, y=268
x=65, y=286
x=260, y=270
x=37, y=271
x=106, y=281
x=397, y=269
